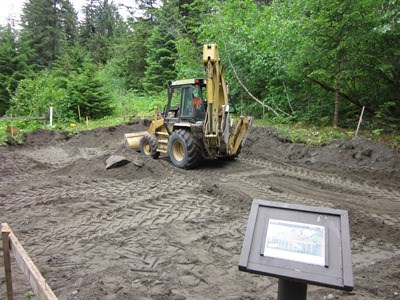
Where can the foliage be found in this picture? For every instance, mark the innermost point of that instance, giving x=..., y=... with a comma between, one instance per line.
x=48, y=26
x=73, y=83
x=23, y=126
x=162, y=51
x=85, y=91
x=13, y=66
x=34, y=96
x=101, y=26
x=29, y=294
x=312, y=61
x=129, y=53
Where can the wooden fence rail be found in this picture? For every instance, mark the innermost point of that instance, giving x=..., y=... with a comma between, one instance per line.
x=43, y=118
x=11, y=245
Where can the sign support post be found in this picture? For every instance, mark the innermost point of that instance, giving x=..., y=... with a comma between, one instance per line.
x=291, y=290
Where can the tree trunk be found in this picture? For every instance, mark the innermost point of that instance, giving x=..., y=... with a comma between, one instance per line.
x=337, y=99
x=337, y=96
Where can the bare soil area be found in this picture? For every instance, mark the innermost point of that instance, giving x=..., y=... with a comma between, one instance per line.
x=148, y=230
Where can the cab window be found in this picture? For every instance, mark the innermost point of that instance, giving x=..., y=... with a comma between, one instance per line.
x=187, y=105
x=175, y=102
x=192, y=103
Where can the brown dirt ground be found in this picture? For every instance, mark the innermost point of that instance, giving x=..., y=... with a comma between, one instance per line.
x=148, y=230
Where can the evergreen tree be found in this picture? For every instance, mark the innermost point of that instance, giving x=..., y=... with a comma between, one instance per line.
x=72, y=82
x=47, y=26
x=87, y=91
x=76, y=73
x=162, y=53
x=100, y=29
x=13, y=66
x=191, y=14
x=130, y=52
x=160, y=60
x=148, y=9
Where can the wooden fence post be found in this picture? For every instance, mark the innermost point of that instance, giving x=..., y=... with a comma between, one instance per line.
x=5, y=232
x=38, y=283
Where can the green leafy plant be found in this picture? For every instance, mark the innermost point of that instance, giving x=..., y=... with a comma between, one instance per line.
x=377, y=131
x=136, y=281
x=29, y=294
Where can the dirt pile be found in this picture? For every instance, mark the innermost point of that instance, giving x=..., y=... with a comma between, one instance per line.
x=358, y=153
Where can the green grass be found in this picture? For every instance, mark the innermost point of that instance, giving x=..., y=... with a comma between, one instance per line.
x=29, y=294
x=139, y=105
x=3, y=135
x=315, y=135
x=308, y=134
x=23, y=126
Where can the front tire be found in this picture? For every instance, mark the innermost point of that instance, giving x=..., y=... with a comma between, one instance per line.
x=148, y=146
x=183, y=149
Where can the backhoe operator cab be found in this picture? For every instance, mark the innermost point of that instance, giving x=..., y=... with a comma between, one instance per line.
x=185, y=101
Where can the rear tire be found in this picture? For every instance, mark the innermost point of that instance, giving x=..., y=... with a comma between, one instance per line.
x=148, y=146
x=183, y=149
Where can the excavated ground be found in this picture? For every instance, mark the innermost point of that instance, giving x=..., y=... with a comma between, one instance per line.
x=148, y=230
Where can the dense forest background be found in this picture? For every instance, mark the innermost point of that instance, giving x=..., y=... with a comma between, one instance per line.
x=311, y=61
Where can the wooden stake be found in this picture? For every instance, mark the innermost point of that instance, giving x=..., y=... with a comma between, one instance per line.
x=5, y=232
x=79, y=112
x=359, y=121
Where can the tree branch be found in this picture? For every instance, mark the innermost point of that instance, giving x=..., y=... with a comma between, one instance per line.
x=247, y=91
x=343, y=95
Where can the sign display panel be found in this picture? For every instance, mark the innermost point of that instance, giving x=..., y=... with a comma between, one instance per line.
x=295, y=241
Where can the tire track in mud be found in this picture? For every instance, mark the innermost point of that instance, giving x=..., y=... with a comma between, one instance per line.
x=324, y=178
x=286, y=182
x=282, y=182
x=130, y=223
x=349, y=194
x=242, y=177
x=112, y=207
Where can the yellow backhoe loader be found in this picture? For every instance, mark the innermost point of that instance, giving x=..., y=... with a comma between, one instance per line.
x=195, y=124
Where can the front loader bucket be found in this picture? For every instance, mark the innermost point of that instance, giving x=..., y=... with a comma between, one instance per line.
x=132, y=140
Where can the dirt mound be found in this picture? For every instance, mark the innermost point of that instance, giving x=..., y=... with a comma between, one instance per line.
x=105, y=137
x=95, y=167
x=263, y=142
x=99, y=137
x=43, y=137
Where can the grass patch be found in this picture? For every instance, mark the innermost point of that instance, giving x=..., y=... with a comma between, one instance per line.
x=310, y=135
x=141, y=106
x=3, y=134
x=319, y=136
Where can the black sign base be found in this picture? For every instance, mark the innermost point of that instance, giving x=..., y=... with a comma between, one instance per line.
x=291, y=290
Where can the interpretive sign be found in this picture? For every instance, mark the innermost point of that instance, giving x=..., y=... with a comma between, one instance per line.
x=298, y=243
x=295, y=241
